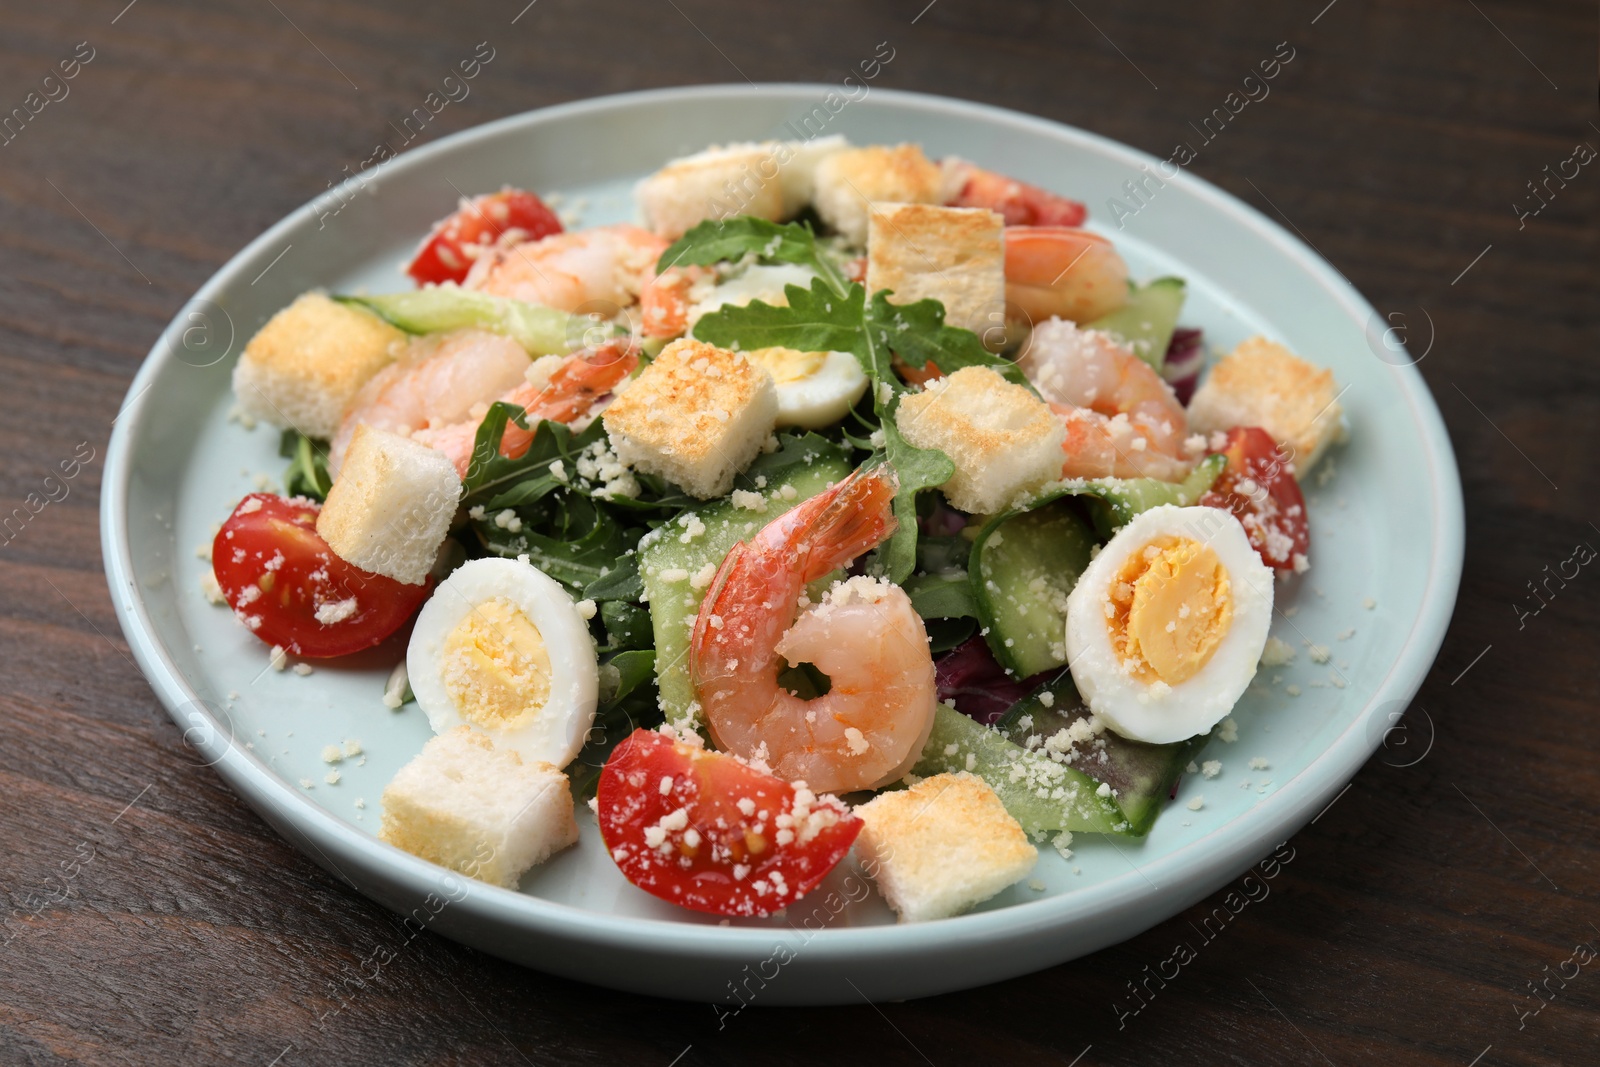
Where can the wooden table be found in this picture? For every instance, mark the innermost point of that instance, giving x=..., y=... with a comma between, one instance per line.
x=172, y=926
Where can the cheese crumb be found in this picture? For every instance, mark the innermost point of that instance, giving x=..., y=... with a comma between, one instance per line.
x=858, y=741
x=332, y=754
x=1228, y=731
x=278, y=658
x=1318, y=653
x=302, y=669
x=1257, y=763
x=585, y=609
x=1369, y=603
x=332, y=778
x=1197, y=803
x=1277, y=653
x=1211, y=768
x=335, y=611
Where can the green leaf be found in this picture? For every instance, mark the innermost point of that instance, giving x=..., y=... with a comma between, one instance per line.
x=627, y=703
x=574, y=559
x=496, y=481
x=816, y=320
x=918, y=469
x=621, y=583
x=718, y=240
x=627, y=625
x=917, y=333
x=942, y=596
x=308, y=472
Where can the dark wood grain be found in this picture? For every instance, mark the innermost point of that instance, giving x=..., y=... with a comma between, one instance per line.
x=1415, y=912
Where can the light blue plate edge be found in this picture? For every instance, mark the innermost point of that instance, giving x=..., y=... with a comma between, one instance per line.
x=1127, y=905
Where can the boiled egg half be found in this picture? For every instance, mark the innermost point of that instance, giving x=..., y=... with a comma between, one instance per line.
x=501, y=647
x=1166, y=625
x=815, y=389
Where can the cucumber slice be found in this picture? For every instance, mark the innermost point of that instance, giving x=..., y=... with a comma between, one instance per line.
x=1145, y=323
x=1041, y=794
x=1141, y=776
x=669, y=558
x=542, y=331
x=1113, y=502
x=1022, y=566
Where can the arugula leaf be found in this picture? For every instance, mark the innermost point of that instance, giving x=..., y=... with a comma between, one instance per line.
x=917, y=333
x=918, y=469
x=308, y=473
x=621, y=583
x=496, y=481
x=574, y=560
x=716, y=240
x=816, y=320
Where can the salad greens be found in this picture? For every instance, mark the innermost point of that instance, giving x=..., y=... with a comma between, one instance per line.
x=307, y=475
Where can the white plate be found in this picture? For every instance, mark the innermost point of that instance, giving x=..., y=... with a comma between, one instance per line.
x=1387, y=526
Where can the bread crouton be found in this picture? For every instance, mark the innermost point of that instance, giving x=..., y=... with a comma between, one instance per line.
x=478, y=810
x=309, y=360
x=697, y=416
x=1261, y=383
x=719, y=183
x=1003, y=440
x=390, y=508
x=797, y=168
x=941, y=846
x=953, y=255
x=848, y=181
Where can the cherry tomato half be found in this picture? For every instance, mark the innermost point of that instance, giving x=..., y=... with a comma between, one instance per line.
x=288, y=588
x=708, y=831
x=444, y=255
x=1258, y=486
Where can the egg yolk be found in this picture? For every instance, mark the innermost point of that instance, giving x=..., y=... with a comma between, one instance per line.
x=788, y=365
x=496, y=667
x=1170, y=608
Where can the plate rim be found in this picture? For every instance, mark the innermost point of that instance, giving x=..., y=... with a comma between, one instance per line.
x=1203, y=861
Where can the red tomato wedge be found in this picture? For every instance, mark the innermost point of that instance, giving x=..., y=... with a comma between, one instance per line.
x=708, y=831
x=448, y=252
x=1258, y=486
x=288, y=588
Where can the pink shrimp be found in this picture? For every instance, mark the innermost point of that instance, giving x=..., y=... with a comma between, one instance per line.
x=1060, y=271
x=868, y=729
x=600, y=270
x=1122, y=419
x=440, y=381
x=572, y=391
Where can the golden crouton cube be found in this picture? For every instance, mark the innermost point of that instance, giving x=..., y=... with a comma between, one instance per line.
x=303, y=367
x=941, y=846
x=719, y=183
x=848, y=181
x=696, y=416
x=1261, y=383
x=1003, y=440
x=953, y=255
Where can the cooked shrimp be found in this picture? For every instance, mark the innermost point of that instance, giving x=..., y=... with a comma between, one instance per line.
x=1122, y=419
x=596, y=270
x=1059, y=271
x=439, y=381
x=664, y=301
x=869, y=728
x=1019, y=203
x=573, y=389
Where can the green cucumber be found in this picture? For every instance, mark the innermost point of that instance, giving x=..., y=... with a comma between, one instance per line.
x=1141, y=776
x=1041, y=794
x=672, y=557
x=1145, y=323
x=1113, y=502
x=1022, y=567
x=542, y=331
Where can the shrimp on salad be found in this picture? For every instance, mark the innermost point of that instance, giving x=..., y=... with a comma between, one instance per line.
x=869, y=727
x=1122, y=419
x=439, y=395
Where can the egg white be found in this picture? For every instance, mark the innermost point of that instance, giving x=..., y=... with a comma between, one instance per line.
x=822, y=397
x=558, y=730
x=759, y=281
x=1154, y=712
